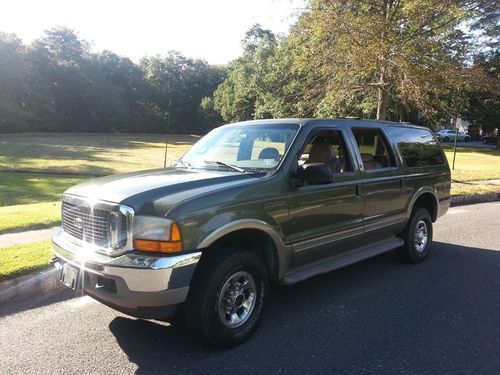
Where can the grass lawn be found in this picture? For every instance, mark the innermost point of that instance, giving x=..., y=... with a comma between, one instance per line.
x=29, y=216
x=89, y=154
x=21, y=259
x=468, y=189
x=25, y=188
x=474, y=164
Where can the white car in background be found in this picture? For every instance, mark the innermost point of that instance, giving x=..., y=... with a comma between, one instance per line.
x=446, y=135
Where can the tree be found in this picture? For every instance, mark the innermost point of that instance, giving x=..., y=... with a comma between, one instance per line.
x=179, y=84
x=243, y=95
x=484, y=107
x=407, y=53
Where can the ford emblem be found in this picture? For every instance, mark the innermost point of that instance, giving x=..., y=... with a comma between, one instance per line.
x=78, y=223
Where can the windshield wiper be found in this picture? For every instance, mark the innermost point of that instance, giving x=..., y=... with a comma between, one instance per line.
x=230, y=166
x=184, y=163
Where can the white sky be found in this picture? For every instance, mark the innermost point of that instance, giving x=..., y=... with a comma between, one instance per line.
x=211, y=30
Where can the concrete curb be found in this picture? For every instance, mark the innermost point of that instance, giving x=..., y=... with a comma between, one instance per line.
x=461, y=200
x=28, y=286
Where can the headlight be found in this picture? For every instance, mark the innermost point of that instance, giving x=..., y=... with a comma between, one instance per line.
x=157, y=234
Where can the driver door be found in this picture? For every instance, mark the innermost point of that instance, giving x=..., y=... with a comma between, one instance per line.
x=326, y=219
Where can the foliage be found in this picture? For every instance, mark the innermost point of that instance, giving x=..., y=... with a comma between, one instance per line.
x=242, y=96
x=390, y=59
x=484, y=107
x=57, y=84
x=18, y=260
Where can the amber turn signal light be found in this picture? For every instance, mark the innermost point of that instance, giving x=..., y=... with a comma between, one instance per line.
x=158, y=246
x=174, y=245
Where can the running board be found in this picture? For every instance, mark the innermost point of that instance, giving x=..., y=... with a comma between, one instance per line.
x=340, y=261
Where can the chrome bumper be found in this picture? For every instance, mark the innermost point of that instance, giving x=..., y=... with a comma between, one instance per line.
x=130, y=282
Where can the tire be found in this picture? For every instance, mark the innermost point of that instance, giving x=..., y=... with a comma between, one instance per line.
x=485, y=141
x=228, y=280
x=466, y=139
x=417, y=236
x=446, y=139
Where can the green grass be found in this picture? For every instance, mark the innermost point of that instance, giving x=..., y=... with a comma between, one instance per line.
x=469, y=189
x=21, y=259
x=474, y=164
x=89, y=154
x=29, y=216
x=25, y=188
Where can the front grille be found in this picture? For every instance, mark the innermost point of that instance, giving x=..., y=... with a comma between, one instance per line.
x=92, y=225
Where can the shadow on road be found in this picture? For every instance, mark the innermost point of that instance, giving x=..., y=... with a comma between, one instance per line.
x=379, y=315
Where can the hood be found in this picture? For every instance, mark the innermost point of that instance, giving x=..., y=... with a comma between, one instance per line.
x=145, y=189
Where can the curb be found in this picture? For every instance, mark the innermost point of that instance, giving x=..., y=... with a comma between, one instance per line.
x=28, y=286
x=461, y=200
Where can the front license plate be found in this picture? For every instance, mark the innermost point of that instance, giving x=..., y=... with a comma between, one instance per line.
x=69, y=276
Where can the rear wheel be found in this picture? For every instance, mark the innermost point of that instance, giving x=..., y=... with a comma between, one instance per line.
x=446, y=139
x=467, y=139
x=417, y=237
x=227, y=297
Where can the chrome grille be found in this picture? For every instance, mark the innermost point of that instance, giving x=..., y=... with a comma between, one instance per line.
x=92, y=225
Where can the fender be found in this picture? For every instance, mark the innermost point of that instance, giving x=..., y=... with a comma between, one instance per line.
x=417, y=194
x=283, y=251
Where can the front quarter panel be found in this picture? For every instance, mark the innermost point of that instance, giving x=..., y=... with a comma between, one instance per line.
x=257, y=205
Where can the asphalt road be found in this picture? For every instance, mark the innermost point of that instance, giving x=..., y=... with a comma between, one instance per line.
x=378, y=316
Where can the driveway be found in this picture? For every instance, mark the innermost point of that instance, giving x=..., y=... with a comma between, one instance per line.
x=377, y=316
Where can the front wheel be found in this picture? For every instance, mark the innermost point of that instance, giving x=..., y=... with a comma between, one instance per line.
x=467, y=139
x=417, y=237
x=227, y=296
x=446, y=139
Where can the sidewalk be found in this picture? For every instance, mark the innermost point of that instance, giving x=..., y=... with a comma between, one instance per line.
x=29, y=236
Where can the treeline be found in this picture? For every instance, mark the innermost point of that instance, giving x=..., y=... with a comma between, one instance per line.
x=422, y=61
x=57, y=84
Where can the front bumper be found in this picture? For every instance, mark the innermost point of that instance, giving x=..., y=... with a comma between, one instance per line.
x=141, y=285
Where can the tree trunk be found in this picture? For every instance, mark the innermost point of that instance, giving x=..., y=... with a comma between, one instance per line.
x=382, y=103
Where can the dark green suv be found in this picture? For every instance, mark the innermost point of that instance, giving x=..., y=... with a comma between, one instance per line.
x=251, y=203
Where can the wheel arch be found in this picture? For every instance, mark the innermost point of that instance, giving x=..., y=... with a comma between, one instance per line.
x=425, y=197
x=254, y=235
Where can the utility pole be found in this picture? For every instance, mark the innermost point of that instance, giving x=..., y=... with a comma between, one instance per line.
x=455, y=146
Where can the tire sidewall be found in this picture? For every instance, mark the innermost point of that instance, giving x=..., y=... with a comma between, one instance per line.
x=414, y=255
x=214, y=330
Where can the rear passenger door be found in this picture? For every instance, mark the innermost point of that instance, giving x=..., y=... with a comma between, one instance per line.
x=383, y=185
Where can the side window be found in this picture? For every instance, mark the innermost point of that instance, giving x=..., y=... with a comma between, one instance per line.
x=327, y=147
x=373, y=148
x=417, y=146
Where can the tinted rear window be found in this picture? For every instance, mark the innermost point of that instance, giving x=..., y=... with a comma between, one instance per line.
x=417, y=146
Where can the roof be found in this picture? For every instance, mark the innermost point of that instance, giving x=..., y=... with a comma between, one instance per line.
x=348, y=121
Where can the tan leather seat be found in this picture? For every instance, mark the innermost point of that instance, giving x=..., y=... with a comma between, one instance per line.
x=369, y=163
x=323, y=153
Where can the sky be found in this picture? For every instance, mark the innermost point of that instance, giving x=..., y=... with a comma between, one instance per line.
x=211, y=30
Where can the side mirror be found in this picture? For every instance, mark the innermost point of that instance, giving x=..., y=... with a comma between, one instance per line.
x=315, y=174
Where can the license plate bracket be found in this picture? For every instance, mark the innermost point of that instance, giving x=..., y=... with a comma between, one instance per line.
x=69, y=276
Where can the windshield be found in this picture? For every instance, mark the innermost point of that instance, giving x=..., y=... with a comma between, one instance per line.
x=241, y=148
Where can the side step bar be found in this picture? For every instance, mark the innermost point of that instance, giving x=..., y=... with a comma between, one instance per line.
x=340, y=261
